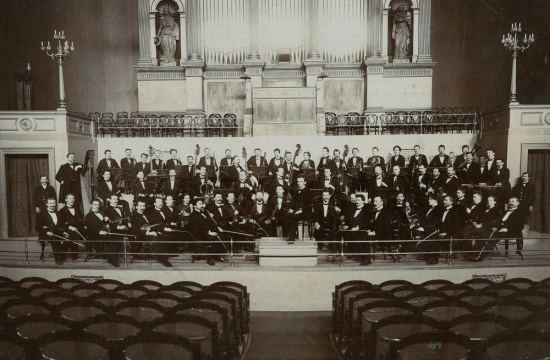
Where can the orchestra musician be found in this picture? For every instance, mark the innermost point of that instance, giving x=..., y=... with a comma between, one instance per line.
x=279, y=180
x=41, y=193
x=173, y=161
x=427, y=226
x=280, y=203
x=261, y=214
x=197, y=181
x=451, y=184
x=397, y=159
x=357, y=220
x=461, y=159
x=325, y=160
x=469, y=170
x=402, y=211
x=451, y=226
x=202, y=229
x=236, y=216
x=107, y=163
x=257, y=159
x=143, y=165
x=437, y=181
x=244, y=190
x=188, y=172
x=355, y=161
x=49, y=228
x=379, y=227
x=72, y=220
x=307, y=163
x=502, y=178
x=483, y=175
x=480, y=219
x=227, y=160
x=128, y=163
x=416, y=160
x=441, y=160
x=300, y=209
x=185, y=213
x=172, y=186
x=377, y=182
x=143, y=188
x=396, y=180
x=117, y=215
x=525, y=192
x=106, y=188
x=208, y=160
x=156, y=162
x=491, y=166
x=288, y=165
x=376, y=159
x=235, y=170
x=325, y=220
x=275, y=162
x=421, y=179
x=145, y=232
x=327, y=181
x=166, y=227
x=96, y=229
x=337, y=165
x=68, y=176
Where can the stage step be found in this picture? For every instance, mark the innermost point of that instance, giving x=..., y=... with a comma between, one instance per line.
x=275, y=251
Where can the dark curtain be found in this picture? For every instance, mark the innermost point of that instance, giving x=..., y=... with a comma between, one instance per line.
x=23, y=174
x=538, y=166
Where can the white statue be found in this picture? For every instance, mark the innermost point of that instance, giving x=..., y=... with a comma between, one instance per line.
x=401, y=32
x=167, y=37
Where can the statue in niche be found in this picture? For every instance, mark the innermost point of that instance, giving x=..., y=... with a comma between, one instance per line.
x=167, y=37
x=401, y=33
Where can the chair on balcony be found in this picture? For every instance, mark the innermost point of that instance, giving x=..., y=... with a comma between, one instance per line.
x=371, y=123
x=199, y=123
x=386, y=123
x=415, y=122
x=446, y=119
x=153, y=123
x=473, y=119
x=188, y=125
x=229, y=125
x=213, y=125
x=122, y=124
x=330, y=123
x=356, y=123
x=107, y=123
x=132, y=127
x=342, y=124
x=427, y=121
x=401, y=122
x=164, y=122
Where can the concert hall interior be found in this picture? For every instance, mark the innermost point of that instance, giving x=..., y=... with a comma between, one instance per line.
x=413, y=135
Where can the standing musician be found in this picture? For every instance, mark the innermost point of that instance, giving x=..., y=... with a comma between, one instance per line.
x=355, y=161
x=208, y=160
x=143, y=229
x=261, y=214
x=402, y=212
x=375, y=159
x=288, y=165
x=377, y=182
x=280, y=203
x=188, y=172
x=257, y=159
x=106, y=188
x=397, y=158
x=491, y=166
x=173, y=161
x=379, y=226
x=143, y=165
x=416, y=160
x=502, y=178
x=525, y=192
x=106, y=163
x=42, y=192
x=227, y=160
x=128, y=163
x=95, y=227
x=337, y=165
x=307, y=163
x=197, y=181
x=173, y=186
x=325, y=219
x=203, y=230
x=68, y=176
x=452, y=184
x=275, y=162
x=356, y=221
x=469, y=170
x=483, y=175
x=49, y=228
x=156, y=162
x=72, y=220
x=165, y=228
x=143, y=188
x=441, y=160
x=300, y=209
x=325, y=160
x=461, y=159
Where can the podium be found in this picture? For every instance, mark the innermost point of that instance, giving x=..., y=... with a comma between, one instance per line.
x=276, y=252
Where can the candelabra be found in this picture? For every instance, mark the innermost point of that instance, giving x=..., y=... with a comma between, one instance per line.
x=62, y=54
x=513, y=43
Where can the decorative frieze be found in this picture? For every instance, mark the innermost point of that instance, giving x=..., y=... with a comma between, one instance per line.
x=194, y=71
x=223, y=74
x=345, y=73
x=407, y=72
x=286, y=74
x=375, y=69
x=180, y=75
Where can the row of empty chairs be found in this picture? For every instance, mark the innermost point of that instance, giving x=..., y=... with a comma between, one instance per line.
x=377, y=321
x=184, y=320
x=138, y=125
x=437, y=120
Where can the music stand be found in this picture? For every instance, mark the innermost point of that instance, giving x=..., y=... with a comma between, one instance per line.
x=224, y=175
x=179, y=169
x=308, y=174
x=354, y=172
x=211, y=169
x=259, y=171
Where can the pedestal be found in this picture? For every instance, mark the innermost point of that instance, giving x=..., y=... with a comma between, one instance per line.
x=276, y=252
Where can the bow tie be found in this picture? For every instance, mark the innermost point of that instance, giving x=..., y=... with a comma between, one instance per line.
x=95, y=212
x=325, y=203
x=142, y=180
x=51, y=212
x=279, y=197
x=70, y=207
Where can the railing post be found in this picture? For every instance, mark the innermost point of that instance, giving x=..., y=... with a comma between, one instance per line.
x=26, y=251
x=124, y=243
x=342, y=251
x=231, y=262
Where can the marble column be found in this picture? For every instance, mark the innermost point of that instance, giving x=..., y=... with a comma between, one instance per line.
x=313, y=25
x=194, y=30
x=144, y=34
x=425, y=21
x=374, y=12
x=253, y=40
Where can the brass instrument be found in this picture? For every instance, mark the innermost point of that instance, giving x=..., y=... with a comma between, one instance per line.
x=373, y=161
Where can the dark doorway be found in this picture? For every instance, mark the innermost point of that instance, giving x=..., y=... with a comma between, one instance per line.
x=22, y=176
x=538, y=166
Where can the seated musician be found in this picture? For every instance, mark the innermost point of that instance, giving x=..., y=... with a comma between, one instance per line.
x=427, y=226
x=469, y=170
x=72, y=220
x=171, y=217
x=163, y=228
x=198, y=181
x=421, y=179
x=482, y=175
x=436, y=182
x=236, y=216
x=275, y=162
x=50, y=229
x=441, y=160
x=325, y=161
x=143, y=229
x=396, y=180
x=261, y=215
x=186, y=210
x=375, y=159
x=457, y=163
x=201, y=227
x=143, y=188
x=451, y=227
x=377, y=182
x=307, y=163
x=416, y=160
x=172, y=186
x=379, y=228
x=356, y=221
x=143, y=165
x=397, y=158
x=511, y=226
x=234, y=171
x=481, y=220
x=280, y=180
x=128, y=163
x=280, y=202
x=107, y=163
x=327, y=181
x=243, y=190
x=325, y=220
x=221, y=218
x=95, y=227
x=401, y=209
x=117, y=220
x=300, y=209
x=106, y=188
x=451, y=184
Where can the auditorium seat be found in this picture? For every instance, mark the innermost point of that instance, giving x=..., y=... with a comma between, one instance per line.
x=539, y=321
x=405, y=290
x=501, y=290
x=56, y=298
x=109, y=299
x=12, y=347
x=180, y=291
x=108, y=284
x=166, y=300
x=421, y=298
x=86, y=290
x=390, y=284
x=480, y=327
x=131, y=291
x=477, y=297
x=513, y=309
x=434, y=345
x=9, y=294
x=27, y=282
x=446, y=310
x=149, y=284
x=520, y=283
x=539, y=299
x=336, y=300
x=435, y=284
x=454, y=290
x=518, y=344
x=142, y=310
x=38, y=289
x=23, y=306
x=81, y=309
x=155, y=345
x=71, y=344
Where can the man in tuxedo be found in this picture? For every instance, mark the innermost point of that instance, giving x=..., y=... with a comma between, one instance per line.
x=172, y=186
x=355, y=162
x=491, y=166
x=325, y=161
x=379, y=227
x=395, y=180
x=375, y=159
x=171, y=216
x=144, y=234
x=502, y=178
x=357, y=221
x=288, y=164
x=421, y=179
x=329, y=182
x=397, y=158
x=49, y=228
x=128, y=163
x=416, y=160
x=72, y=220
x=188, y=172
x=68, y=176
x=107, y=163
x=461, y=159
x=307, y=164
x=257, y=159
x=511, y=226
x=452, y=184
x=107, y=187
x=481, y=220
x=173, y=161
x=115, y=215
x=260, y=214
x=235, y=216
x=95, y=227
x=234, y=171
x=436, y=182
x=337, y=165
x=281, y=203
x=164, y=230
x=143, y=165
x=377, y=183
x=143, y=188
x=202, y=229
x=301, y=207
x=482, y=175
x=427, y=225
x=208, y=160
x=42, y=192
x=441, y=160
x=156, y=162
x=279, y=180
x=227, y=160
x=275, y=162
x=325, y=216
x=469, y=170
x=525, y=192
x=451, y=227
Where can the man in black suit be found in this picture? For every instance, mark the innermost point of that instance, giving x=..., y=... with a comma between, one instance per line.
x=234, y=171
x=68, y=176
x=143, y=165
x=172, y=186
x=469, y=170
x=427, y=225
x=128, y=163
x=173, y=161
x=42, y=192
x=451, y=227
x=416, y=160
x=502, y=178
x=307, y=163
x=380, y=226
x=356, y=222
x=452, y=184
x=208, y=160
x=49, y=228
x=143, y=188
x=396, y=180
x=95, y=227
x=375, y=159
x=236, y=216
x=325, y=161
x=511, y=226
x=144, y=234
x=281, y=203
x=301, y=207
x=525, y=192
x=116, y=215
x=244, y=190
x=482, y=174
x=491, y=166
x=72, y=220
x=156, y=162
x=481, y=220
x=441, y=160
x=355, y=162
x=202, y=229
x=261, y=214
x=257, y=159
x=107, y=187
x=325, y=217
x=227, y=160
x=461, y=159
x=288, y=165
x=164, y=229
x=171, y=215
x=197, y=181
x=337, y=165
x=278, y=180
x=107, y=163
x=327, y=181
x=397, y=158
x=421, y=179
x=275, y=162
x=437, y=181
x=377, y=183
x=188, y=172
